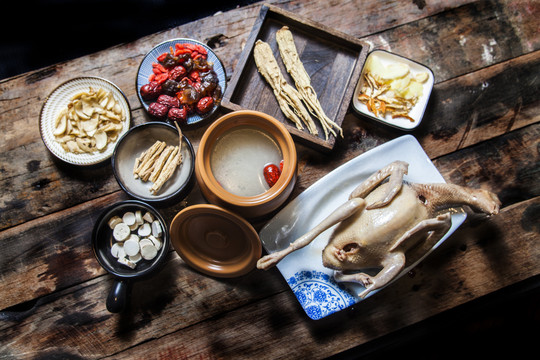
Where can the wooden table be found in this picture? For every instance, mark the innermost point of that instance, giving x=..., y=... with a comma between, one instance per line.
x=481, y=129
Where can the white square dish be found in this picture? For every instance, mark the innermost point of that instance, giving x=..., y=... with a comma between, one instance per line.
x=417, y=112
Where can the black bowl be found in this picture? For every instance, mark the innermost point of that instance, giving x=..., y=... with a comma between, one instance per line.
x=102, y=241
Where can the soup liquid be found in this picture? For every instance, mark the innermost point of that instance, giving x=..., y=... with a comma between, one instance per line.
x=238, y=159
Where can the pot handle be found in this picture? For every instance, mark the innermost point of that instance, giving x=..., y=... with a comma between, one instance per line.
x=117, y=299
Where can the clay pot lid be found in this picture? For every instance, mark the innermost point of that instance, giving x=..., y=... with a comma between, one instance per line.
x=215, y=241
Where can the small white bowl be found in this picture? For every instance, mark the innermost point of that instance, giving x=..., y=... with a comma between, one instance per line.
x=137, y=140
x=417, y=112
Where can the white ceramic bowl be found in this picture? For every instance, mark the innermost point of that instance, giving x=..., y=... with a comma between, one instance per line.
x=59, y=99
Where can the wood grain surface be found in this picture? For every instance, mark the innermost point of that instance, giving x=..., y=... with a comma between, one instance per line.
x=481, y=129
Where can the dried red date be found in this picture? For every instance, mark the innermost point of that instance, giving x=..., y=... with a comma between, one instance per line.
x=271, y=174
x=177, y=73
x=205, y=105
x=177, y=114
x=150, y=91
x=168, y=101
x=158, y=110
x=189, y=80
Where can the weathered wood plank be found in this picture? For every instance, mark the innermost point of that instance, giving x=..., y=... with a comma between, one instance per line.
x=76, y=321
x=467, y=38
x=495, y=248
x=483, y=132
x=74, y=226
x=488, y=249
x=65, y=238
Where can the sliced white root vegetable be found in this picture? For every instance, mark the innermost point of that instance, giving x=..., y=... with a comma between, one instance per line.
x=127, y=262
x=148, y=252
x=129, y=218
x=395, y=71
x=157, y=242
x=134, y=237
x=138, y=217
x=121, y=232
x=131, y=247
x=148, y=217
x=157, y=231
x=145, y=242
x=115, y=220
x=117, y=249
x=135, y=258
x=421, y=77
x=101, y=139
x=138, y=241
x=144, y=230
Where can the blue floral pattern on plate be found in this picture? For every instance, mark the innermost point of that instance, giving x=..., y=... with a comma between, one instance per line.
x=319, y=294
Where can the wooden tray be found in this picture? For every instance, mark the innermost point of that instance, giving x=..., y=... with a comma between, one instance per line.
x=333, y=60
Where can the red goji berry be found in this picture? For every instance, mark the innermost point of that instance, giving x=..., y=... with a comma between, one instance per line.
x=201, y=50
x=161, y=78
x=161, y=57
x=194, y=75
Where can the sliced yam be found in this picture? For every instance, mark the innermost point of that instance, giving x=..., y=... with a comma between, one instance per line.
x=131, y=247
x=121, y=232
x=148, y=251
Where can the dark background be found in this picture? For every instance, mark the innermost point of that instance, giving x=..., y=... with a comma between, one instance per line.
x=36, y=34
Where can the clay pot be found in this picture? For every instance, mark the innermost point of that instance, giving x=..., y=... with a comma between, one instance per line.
x=247, y=206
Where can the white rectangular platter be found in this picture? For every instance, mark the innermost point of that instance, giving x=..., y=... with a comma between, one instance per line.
x=312, y=283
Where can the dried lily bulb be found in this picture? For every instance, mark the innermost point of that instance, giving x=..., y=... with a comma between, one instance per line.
x=91, y=121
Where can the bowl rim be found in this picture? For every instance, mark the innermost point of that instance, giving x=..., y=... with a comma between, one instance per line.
x=221, y=125
x=102, y=221
x=181, y=191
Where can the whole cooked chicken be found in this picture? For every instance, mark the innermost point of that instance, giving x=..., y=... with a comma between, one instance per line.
x=386, y=225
